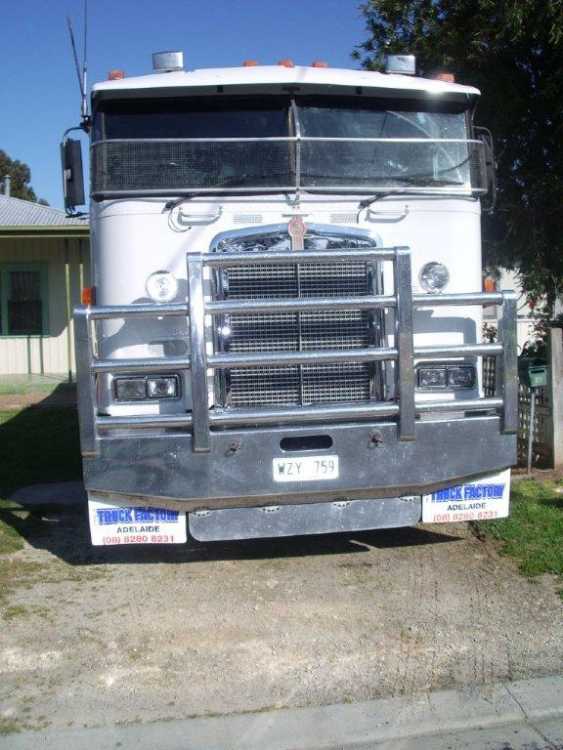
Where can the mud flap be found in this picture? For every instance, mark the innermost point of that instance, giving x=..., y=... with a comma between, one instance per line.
x=482, y=499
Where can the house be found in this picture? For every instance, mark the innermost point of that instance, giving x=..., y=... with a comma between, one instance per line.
x=44, y=264
x=526, y=320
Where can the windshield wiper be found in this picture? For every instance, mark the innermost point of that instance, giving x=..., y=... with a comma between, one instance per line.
x=418, y=181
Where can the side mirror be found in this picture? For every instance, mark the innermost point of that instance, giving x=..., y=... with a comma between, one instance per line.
x=73, y=175
x=485, y=136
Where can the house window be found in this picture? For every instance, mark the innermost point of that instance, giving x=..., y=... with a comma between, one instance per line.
x=23, y=299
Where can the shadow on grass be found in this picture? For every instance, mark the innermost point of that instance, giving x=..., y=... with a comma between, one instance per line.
x=39, y=445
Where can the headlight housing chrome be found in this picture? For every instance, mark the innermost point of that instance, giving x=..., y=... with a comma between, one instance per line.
x=434, y=277
x=162, y=286
x=147, y=388
x=441, y=376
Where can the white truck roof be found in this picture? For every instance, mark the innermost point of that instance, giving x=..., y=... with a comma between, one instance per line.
x=279, y=75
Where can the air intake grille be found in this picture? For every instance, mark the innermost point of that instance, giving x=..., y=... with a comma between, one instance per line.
x=305, y=331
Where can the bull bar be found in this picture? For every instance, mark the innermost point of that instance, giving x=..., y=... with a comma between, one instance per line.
x=204, y=425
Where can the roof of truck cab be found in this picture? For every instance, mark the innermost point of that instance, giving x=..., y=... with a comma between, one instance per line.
x=279, y=75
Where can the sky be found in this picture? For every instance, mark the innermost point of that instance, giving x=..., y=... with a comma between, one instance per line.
x=39, y=95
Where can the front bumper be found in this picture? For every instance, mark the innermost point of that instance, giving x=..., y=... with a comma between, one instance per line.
x=163, y=469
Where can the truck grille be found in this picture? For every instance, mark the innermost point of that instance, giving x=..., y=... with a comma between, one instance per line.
x=269, y=332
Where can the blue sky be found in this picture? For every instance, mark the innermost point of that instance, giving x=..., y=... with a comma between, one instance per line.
x=38, y=92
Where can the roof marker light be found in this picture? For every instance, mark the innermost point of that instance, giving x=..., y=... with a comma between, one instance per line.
x=319, y=64
x=116, y=75
x=249, y=63
x=446, y=77
x=287, y=62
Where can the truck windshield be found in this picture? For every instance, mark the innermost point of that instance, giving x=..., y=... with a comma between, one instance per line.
x=323, y=143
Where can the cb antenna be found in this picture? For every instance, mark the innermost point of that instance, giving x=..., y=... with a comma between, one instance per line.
x=81, y=73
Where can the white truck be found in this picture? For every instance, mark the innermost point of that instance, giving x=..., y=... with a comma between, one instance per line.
x=283, y=332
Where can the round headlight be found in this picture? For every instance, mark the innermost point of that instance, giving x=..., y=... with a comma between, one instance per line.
x=434, y=277
x=162, y=286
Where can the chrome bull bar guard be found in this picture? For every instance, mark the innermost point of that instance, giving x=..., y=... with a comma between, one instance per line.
x=203, y=419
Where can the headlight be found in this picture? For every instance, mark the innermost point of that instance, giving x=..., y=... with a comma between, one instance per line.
x=437, y=376
x=141, y=389
x=461, y=376
x=431, y=377
x=166, y=387
x=130, y=389
x=434, y=277
x=162, y=286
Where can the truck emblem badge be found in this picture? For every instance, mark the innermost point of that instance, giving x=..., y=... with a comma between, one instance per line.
x=296, y=229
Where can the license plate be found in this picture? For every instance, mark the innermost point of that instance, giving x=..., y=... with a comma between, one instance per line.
x=483, y=499
x=305, y=469
x=112, y=524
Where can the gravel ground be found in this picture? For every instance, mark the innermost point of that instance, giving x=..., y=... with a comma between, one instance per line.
x=103, y=636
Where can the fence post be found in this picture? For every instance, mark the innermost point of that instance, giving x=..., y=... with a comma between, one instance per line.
x=555, y=387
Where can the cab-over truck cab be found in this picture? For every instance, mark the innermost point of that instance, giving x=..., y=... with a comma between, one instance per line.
x=285, y=336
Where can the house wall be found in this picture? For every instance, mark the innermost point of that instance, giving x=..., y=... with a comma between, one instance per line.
x=48, y=353
x=526, y=322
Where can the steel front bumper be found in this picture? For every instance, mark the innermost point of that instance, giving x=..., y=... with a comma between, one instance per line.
x=237, y=472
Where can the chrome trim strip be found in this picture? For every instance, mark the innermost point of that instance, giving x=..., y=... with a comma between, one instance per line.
x=288, y=139
x=141, y=365
x=458, y=350
x=85, y=380
x=200, y=398
x=470, y=404
x=508, y=379
x=472, y=298
x=275, y=257
x=301, y=304
x=367, y=190
x=315, y=356
x=297, y=415
x=404, y=339
x=108, y=312
x=156, y=309
x=300, y=414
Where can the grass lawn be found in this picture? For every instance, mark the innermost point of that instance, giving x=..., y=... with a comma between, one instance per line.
x=533, y=533
x=36, y=445
x=18, y=385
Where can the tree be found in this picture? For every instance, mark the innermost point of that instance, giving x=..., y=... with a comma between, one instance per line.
x=513, y=51
x=20, y=175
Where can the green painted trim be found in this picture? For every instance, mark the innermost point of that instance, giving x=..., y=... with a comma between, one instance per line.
x=43, y=269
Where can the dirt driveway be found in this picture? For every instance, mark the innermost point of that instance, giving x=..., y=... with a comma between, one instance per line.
x=92, y=637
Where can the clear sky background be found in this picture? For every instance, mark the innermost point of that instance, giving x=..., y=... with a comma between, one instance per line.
x=39, y=95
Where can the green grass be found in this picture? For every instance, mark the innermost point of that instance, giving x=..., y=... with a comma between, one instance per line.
x=36, y=445
x=18, y=385
x=533, y=533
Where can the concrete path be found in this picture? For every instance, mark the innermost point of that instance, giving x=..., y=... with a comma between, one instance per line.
x=525, y=715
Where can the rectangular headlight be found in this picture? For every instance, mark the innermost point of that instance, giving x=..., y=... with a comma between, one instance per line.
x=461, y=376
x=143, y=388
x=163, y=387
x=445, y=376
x=130, y=389
x=431, y=377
